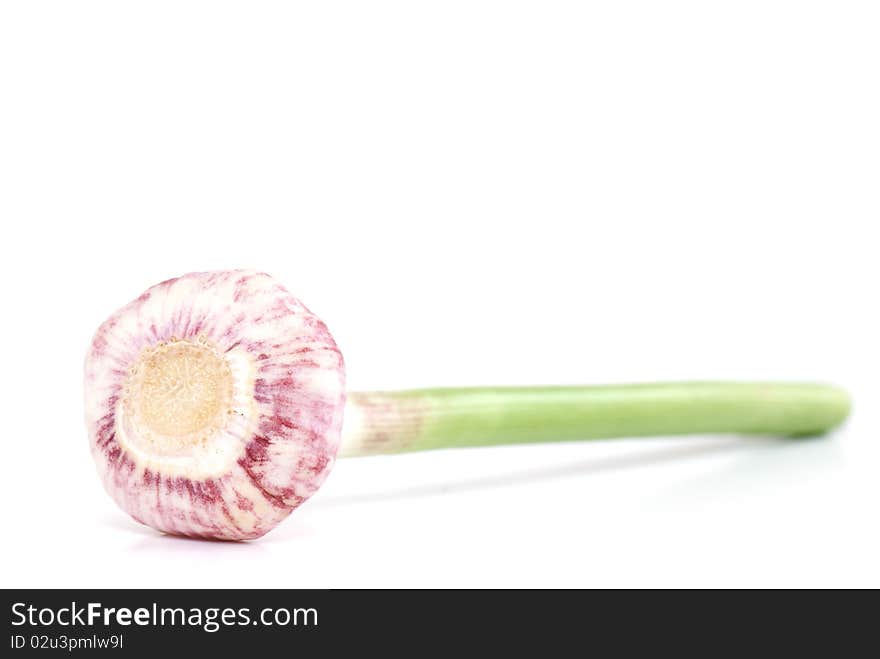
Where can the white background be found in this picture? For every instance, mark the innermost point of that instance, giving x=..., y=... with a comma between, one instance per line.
x=467, y=193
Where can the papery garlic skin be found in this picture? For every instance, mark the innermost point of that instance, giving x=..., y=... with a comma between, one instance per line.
x=214, y=404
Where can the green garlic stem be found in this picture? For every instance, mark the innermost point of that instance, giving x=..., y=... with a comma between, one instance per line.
x=425, y=419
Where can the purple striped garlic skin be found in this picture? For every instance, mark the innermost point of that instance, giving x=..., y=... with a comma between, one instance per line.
x=214, y=404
